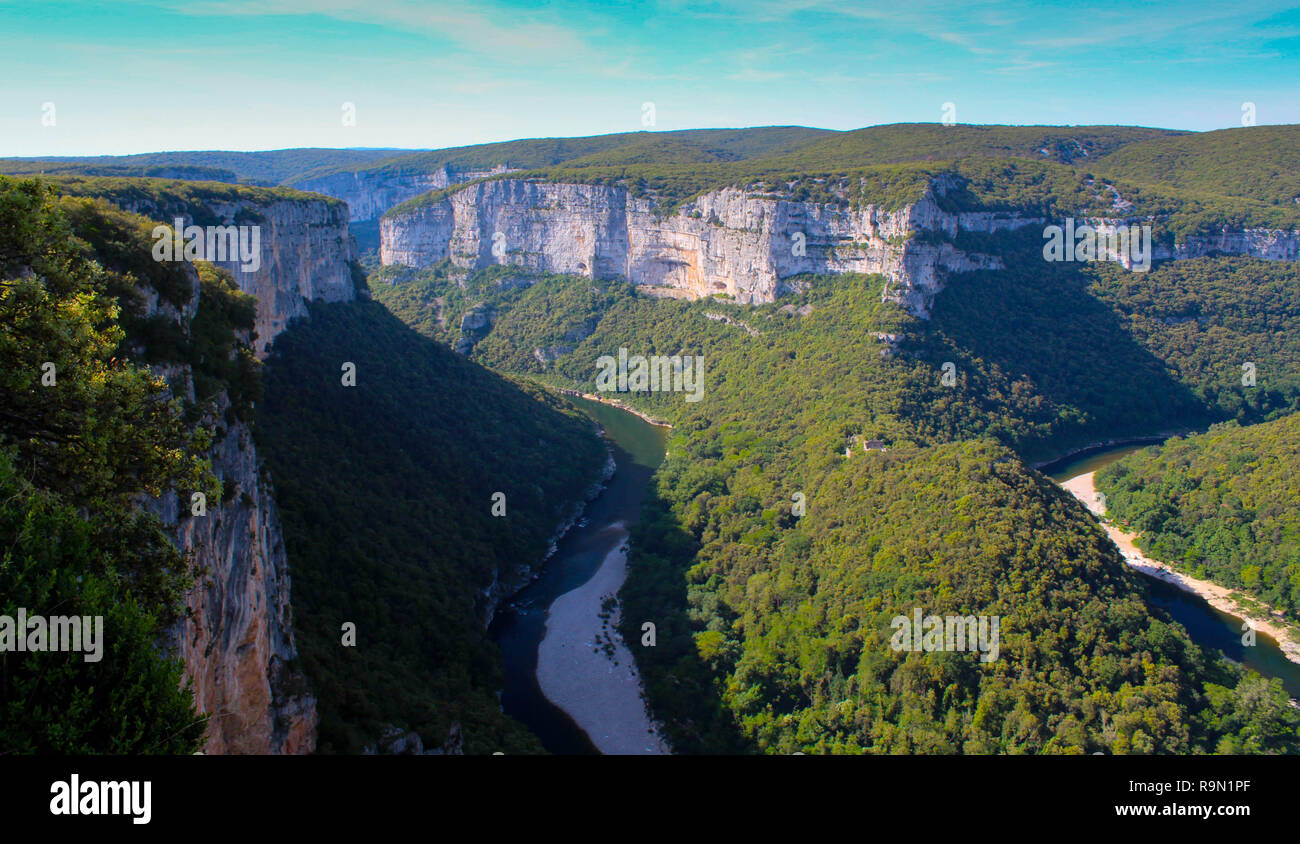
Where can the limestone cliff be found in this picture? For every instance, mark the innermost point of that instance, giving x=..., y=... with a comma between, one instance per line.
x=1265, y=244
x=727, y=241
x=238, y=643
x=307, y=252
x=369, y=193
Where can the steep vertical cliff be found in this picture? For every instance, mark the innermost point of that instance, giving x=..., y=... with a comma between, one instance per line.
x=731, y=241
x=371, y=192
x=727, y=241
x=306, y=252
x=238, y=643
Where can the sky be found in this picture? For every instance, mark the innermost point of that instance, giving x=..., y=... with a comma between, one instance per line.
x=88, y=78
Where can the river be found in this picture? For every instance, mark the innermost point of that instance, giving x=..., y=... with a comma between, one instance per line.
x=521, y=623
x=1208, y=626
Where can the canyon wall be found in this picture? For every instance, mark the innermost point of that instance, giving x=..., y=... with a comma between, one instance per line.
x=1264, y=244
x=238, y=645
x=369, y=193
x=306, y=253
x=726, y=241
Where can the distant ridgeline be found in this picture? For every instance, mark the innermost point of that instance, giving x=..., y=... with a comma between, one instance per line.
x=1224, y=505
x=1188, y=182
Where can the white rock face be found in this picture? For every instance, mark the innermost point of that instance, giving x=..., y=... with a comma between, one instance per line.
x=728, y=241
x=1268, y=244
x=369, y=193
x=1264, y=244
x=305, y=253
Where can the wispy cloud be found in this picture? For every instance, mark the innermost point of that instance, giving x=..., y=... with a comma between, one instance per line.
x=506, y=35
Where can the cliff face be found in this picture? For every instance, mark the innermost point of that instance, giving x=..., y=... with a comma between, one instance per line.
x=1265, y=244
x=369, y=193
x=238, y=644
x=726, y=241
x=305, y=254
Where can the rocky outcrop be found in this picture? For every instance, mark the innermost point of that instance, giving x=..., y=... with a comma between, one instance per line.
x=237, y=644
x=306, y=253
x=369, y=193
x=1261, y=243
x=730, y=242
x=237, y=641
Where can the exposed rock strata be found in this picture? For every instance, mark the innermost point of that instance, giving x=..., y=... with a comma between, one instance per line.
x=729, y=242
x=306, y=254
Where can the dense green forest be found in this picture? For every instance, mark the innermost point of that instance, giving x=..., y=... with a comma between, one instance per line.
x=85, y=432
x=1261, y=162
x=773, y=627
x=1220, y=505
x=1047, y=356
x=1112, y=354
x=169, y=197
x=1205, y=319
x=698, y=145
x=385, y=491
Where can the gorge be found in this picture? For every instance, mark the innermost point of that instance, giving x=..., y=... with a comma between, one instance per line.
x=903, y=304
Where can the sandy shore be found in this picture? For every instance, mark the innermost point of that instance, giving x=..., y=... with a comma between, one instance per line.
x=577, y=675
x=1082, y=488
x=624, y=406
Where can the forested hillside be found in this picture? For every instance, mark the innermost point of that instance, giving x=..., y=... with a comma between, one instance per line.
x=86, y=431
x=1220, y=505
x=386, y=491
x=774, y=625
x=1261, y=162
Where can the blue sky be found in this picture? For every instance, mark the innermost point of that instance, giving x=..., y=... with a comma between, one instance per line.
x=137, y=76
